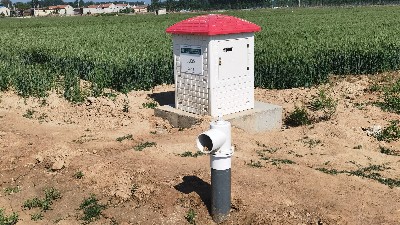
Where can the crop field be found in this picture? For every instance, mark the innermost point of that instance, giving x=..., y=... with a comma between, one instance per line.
x=296, y=47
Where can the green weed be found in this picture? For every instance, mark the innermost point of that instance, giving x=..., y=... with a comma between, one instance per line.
x=311, y=143
x=375, y=87
x=150, y=105
x=33, y=203
x=389, y=133
x=125, y=107
x=267, y=149
x=298, y=117
x=191, y=216
x=391, y=98
x=276, y=162
x=368, y=172
x=360, y=106
x=11, y=190
x=91, y=209
x=191, y=154
x=255, y=164
x=8, y=220
x=36, y=216
x=389, y=151
x=51, y=194
x=125, y=137
x=328, y=171
x=144, y=145
x=134, y=188
x=111, y=95
x=29, y=113
x=79, y=175
x=325, y=103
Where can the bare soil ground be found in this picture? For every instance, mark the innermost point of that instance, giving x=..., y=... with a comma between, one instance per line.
x=44, y=143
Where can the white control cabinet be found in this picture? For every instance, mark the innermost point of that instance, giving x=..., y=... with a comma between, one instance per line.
x=214, y=74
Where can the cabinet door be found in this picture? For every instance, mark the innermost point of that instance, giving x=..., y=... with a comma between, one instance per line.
x=233, y=59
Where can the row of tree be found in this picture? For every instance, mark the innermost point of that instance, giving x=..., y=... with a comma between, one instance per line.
x=178, y=5
x=47, y=3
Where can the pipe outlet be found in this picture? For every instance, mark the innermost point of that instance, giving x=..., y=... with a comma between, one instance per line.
x=217, y=140
x=211, y=140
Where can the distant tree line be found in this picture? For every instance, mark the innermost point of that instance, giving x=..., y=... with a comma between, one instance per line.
x=178, y=5
x=47, y=3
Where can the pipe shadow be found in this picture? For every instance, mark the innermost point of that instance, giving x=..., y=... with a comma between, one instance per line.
x=195, y=184
x=164, y=98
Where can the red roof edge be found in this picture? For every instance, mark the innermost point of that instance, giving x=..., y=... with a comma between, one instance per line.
x=213, y=24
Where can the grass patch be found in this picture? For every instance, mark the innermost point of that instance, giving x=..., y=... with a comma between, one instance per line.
x=125, y=107
x=144, y=145
x=8, y=220
x=29, y=113
x=267, y=149
x=11, y=190
x=134, y=188
x=51, y=194
x=310, y=143
x=79, y=175
x=389, y=133
x=298, y=117
x=112, y=96
x=375, y=87
x=255, y=164
x=191, y=154
x=360, y=106
x=276, y=162
x=370, y=172
x=84, y=138
x=36, y=216
x=150, y=105
x=325, y=103
x=391, y=98
x=125, y=137
x=42, y=117
x=389, y=151
x=91, y=209
x=191, y=216
x=328, y=171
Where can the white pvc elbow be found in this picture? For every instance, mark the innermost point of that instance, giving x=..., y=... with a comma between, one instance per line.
x=217, y=140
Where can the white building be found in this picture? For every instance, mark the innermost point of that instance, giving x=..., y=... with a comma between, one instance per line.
x=61, y=10
x=103, y=8
x=109, y=8
x=120, y=7
x=5, y=11
x=140, y=8
x=92, y=9
x=41, y=12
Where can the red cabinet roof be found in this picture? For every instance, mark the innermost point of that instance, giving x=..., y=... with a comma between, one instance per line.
x=213, y=24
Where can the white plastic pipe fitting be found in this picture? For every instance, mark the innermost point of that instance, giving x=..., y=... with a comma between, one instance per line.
x=217, y=140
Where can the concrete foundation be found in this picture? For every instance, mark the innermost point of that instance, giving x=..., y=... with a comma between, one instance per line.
x=263, y=117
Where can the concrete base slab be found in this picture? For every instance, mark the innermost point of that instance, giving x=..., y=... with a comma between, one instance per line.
x=176, y=117
x=263, y=117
